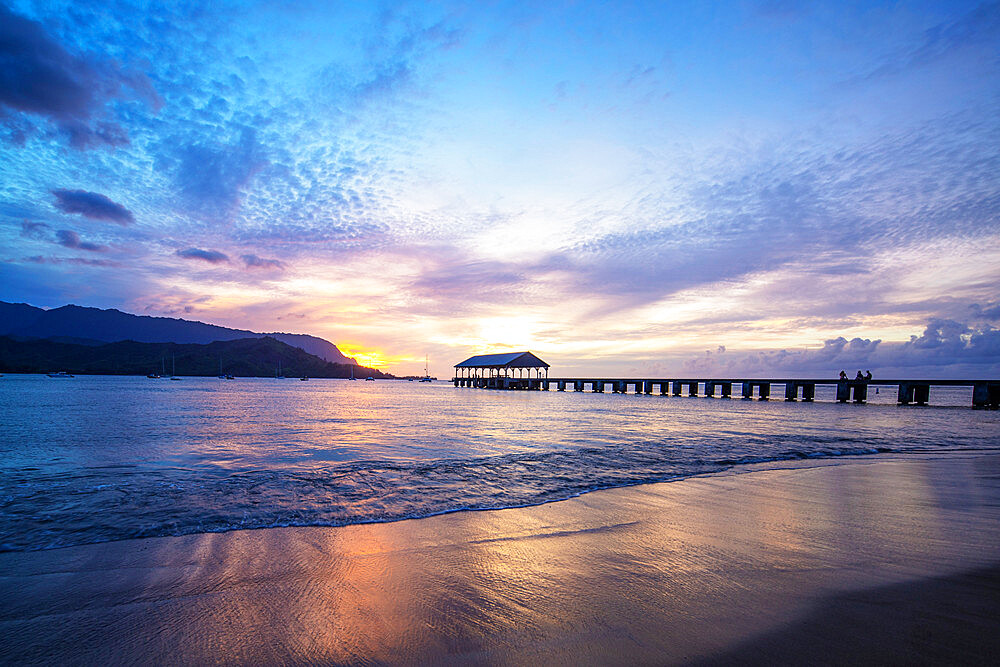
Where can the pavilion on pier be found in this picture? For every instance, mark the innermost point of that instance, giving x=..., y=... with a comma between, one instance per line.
x=507, y=365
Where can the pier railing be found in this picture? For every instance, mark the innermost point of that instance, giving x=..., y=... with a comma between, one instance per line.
x=985, y=393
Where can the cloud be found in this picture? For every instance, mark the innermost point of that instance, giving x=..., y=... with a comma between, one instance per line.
x=70, y=239
x=210, y=256
x=456, y=281
x=759, y=209
x=393, y=56
x=255, y=262
x=988, y=312
x=944, y=343
x=82, y=261
x=38, y=76
x=211, y=175
x=979, y=28
x=92, y=205
x=34, y=230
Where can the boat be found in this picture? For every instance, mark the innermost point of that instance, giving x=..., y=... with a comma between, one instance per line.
x=427, y=376
x=162, y=374
x=352, y=374
x=60, y=374
x=173, y=368
x=304, y=378
x=369, y=379
x=277, y=374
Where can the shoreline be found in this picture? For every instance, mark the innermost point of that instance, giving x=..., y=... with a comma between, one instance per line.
x=669, y=572
x=791, y=463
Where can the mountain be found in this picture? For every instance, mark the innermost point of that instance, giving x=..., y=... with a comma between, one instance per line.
x=77, y=323
x=246, y=357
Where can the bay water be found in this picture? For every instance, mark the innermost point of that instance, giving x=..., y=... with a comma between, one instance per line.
x=93, y=459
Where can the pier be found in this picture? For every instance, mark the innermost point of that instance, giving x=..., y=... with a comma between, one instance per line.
x=525, y=371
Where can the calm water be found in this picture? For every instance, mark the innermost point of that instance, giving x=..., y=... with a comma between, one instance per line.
x=93, y=459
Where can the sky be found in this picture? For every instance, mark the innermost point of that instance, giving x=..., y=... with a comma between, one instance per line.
x=766, y=188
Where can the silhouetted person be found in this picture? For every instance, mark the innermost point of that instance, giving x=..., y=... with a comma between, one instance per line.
x=843, y=375
x=868, y=375
x=859, y=376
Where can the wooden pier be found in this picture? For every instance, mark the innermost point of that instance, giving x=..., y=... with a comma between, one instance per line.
x=985, y=393
x=524, y=371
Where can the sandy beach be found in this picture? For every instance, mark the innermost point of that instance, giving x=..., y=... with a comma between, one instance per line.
x=869, y=560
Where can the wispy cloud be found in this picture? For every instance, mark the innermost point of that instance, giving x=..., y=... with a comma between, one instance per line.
x=210, y=256
x=255, y=262
x=34, y=230
x=92, y=205
x=979, y=28
x=70, y=239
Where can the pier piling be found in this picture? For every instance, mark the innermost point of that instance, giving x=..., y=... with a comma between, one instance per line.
x=792, y=391
x=919, y=393
x=763, y=390
x=985, y=393
x=846, y=387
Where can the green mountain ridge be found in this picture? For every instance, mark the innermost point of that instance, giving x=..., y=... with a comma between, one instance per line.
x=244, y=357
x=89, y=325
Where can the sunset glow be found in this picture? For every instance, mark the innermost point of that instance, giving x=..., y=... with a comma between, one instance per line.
x=615, y=187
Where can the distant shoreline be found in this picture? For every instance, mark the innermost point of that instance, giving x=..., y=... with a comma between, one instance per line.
x=244, y=357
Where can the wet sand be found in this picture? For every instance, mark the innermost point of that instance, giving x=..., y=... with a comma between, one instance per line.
x=880, y=561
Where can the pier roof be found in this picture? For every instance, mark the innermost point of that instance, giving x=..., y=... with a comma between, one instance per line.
x=505, y=360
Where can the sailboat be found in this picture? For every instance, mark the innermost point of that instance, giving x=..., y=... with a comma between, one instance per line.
x=278, y=374
x=427, y=376
x=352, y=373
x=173, y=368
x=163, y=371
x=223, y=376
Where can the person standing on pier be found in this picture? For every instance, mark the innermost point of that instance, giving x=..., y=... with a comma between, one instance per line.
x=843, y=375
x=868, y=376
x=859, y=376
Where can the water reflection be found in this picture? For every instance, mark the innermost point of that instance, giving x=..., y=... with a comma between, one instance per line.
x=658, y=573
x=103, y=458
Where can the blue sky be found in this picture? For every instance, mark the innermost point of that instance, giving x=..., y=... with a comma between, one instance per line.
x=620, y=187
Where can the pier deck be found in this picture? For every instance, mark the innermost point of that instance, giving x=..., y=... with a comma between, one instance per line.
x=985, y=393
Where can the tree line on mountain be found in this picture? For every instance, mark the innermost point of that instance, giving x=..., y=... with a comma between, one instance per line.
x=78, y=324
x=246, y=357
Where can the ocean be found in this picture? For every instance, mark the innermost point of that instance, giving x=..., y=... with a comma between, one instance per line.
x=94, y=459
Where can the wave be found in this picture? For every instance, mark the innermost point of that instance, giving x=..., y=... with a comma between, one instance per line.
x=99, y=505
